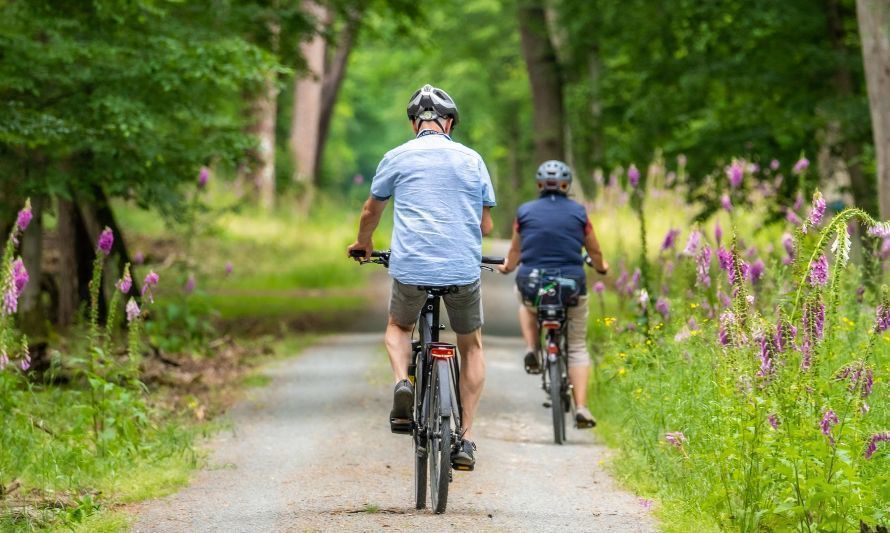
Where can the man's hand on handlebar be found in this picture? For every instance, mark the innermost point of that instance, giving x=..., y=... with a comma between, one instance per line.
x=357, y=247
x=604, y=270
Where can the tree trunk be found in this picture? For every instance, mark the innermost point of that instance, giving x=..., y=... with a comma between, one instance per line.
x=544, y=77
x=333, y=79
x=307, y=105
x=874, y=31
x=260, y=172
x=840, y=159
x=32, y=255
x=68, y=280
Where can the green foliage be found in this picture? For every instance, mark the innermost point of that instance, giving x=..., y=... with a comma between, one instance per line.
x=129, y=96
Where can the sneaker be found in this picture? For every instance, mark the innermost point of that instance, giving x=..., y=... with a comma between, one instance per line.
x=532, y=366
x=583, y=418
x=402, y=403
x=463, y=456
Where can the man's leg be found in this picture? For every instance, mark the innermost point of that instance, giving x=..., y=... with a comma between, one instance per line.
x=398, y=344
x=472, y=376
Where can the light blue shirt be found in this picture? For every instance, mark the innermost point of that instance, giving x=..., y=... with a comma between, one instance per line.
x=439, y=187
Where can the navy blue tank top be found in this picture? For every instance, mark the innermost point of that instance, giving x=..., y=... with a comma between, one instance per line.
x=553, y=229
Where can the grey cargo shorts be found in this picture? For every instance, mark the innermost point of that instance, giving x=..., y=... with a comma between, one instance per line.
x=464, y=306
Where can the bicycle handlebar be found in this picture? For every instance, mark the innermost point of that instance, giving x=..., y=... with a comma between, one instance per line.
x=486, y=259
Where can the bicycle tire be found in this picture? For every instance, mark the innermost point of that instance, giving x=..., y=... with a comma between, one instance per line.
x=420, y=458
x=439, y=440
x=557, y=401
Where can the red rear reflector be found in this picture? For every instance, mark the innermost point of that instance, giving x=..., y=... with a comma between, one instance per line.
x=550, y=324
x=443, y=353
x=552, y=349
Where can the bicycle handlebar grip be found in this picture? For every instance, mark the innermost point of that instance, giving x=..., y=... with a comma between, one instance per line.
x=492, y=260
x=356, y=253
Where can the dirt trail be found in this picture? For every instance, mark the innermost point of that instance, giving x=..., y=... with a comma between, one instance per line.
x=313, y=452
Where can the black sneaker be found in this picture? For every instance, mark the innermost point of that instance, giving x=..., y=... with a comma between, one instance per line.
x=463, y=456
x=583, y=418
x=400, y=418
x=532, y=365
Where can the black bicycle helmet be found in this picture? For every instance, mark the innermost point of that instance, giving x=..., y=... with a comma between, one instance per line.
x=554, y=176
x=431, y=103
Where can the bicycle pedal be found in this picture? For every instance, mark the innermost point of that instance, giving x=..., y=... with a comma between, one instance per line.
x=402, y=427
x=546, y=404
x=462, y=468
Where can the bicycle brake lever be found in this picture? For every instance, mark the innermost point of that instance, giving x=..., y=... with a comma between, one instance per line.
x=485, y=267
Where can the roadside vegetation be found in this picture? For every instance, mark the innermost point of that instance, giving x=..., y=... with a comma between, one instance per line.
x=744, y=367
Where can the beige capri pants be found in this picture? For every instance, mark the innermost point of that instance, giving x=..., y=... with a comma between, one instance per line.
x=576, y=329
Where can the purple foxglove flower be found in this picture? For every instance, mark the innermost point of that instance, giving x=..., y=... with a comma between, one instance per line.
x=645, y=504
x=669, y=239
x=599, y=287
x=132, y=310
x=884, y=251
x=203, y=177
x=774, y=164
x=125, y=283
x=724, y=259
x=25, y=363
x=882, y=322
x=634, y=280
x=138, y=258
x=725, y=202
x=818, y=210
x=692, y=324
x=786, y=333
x=756, y=270
x=663, y=307
x=718, y=233
x=681, y=160
x=229, y=268
x=24, y=217
x=802, y=164
x=675, y=438
x=190, y=284
x=792, y=217
x=735, y=172
x=151, y=280
x=19, y=276
x=621, y=281
x=788, y=243
x=753, y=168
x=881, y=230
x=873, y=443
x=860, y=294
x=818, y=275
x=692, y=243
x=106, y=241
x=773, y=420
x=798, y=201
x=633, y=176
x=10, y=301
x=724, y=298
x=806, y=355
x=766, y=357
x=829, y=419
x=703, y=267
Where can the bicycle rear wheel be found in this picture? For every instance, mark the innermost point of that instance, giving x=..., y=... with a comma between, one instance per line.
x=439, y=439
x=557, y=401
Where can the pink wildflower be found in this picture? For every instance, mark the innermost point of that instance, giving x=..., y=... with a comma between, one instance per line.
x=773, y=420
x=190, y=284
x=675, y=438
x=792, y=217
x=882, y=322
x=818, y=276
x=106, y=241
x=756, y=270
x=774, y=164
x=725, y=202
x=829, y=419
x=669, y=239
x=229, y=268
x=138, y=258
x=125, y=283
x=203, y=177
x=703, y=267
x=692, y=243
x=818, y=210
x=24, y=217
x=718, y=233
x=873, y=443
x=599, y=287
x=802, y=164
x=633, y=176
x=151, y=280
x=735, y=172
x=663, y=307
x=132, y=310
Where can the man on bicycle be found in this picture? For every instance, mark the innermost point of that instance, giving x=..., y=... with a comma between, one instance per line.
x=548, y=236
x=443, y=195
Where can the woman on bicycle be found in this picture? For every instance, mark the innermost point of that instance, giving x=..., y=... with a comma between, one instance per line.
x=548, y=235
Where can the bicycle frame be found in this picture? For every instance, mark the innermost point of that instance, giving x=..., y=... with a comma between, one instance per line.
x=428, y=329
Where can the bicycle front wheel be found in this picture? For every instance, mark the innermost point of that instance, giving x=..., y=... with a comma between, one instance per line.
x=556, y=400
x=439, y=439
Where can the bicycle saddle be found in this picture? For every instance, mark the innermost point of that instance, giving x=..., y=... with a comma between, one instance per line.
x=439, y=291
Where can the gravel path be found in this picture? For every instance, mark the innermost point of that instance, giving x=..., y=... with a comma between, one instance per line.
x=313, y=452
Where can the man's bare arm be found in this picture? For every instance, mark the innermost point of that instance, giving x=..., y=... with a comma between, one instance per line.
x=487, y=224
x=371, y=213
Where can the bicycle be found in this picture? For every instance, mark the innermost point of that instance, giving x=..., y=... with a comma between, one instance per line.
x=553, y=350
x=435, y=372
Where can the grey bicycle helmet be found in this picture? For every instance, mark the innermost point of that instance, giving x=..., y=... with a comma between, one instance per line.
x=431, y=103
x=554, y=176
